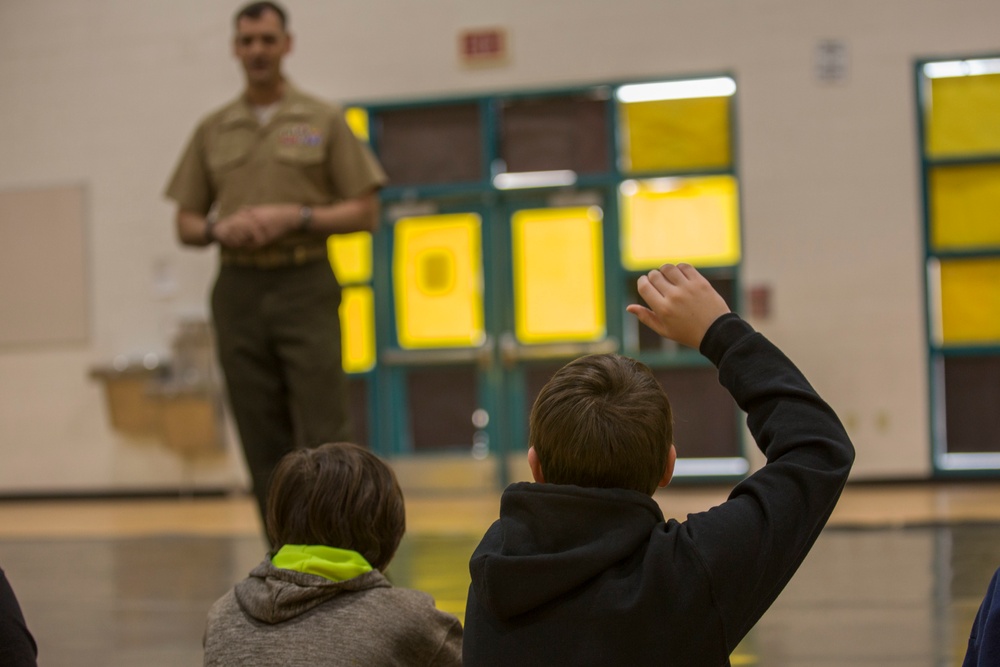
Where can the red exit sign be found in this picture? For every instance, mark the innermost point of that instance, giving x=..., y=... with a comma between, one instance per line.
x=483, y=45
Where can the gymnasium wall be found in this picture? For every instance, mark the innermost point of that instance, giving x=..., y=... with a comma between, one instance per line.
x=99, y=97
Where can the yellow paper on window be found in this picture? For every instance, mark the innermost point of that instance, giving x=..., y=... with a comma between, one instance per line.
x=438, y=281
x=357, y=120
x=965, y=207
x=970, y=302
x=351, y=257
x=357, y=329
x=558, y=262
x=962, y=115
x=693, y=220
x=675, y=135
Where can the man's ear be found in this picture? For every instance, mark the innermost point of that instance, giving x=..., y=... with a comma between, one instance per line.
x=668, y=471
x=535, y=465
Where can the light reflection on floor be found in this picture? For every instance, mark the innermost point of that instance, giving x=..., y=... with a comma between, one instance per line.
x=887, y=596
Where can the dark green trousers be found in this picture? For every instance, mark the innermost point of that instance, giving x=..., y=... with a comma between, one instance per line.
x=278, y=339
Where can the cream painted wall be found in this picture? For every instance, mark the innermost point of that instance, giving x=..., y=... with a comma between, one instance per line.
x=106, y=92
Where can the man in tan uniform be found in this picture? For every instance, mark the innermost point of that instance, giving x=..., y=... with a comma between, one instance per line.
x=268, y=178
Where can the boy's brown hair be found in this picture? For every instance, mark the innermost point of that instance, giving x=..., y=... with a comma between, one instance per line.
x=603, y=421
x=337, y=495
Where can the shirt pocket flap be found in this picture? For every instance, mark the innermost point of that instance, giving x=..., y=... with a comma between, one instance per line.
x=230, y=149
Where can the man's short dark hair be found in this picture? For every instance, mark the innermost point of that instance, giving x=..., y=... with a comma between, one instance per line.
x=337, y=495
x=603, y=421
x=255, y=9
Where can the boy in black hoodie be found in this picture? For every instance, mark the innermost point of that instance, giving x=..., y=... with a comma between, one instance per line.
x=582, y=569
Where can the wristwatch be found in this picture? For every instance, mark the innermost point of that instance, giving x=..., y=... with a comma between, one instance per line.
x=305, y=218
x=210, y=229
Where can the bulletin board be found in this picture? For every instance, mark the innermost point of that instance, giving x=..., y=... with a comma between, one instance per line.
x=44, y=281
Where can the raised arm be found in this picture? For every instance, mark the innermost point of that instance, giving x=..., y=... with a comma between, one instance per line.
x=751, y=545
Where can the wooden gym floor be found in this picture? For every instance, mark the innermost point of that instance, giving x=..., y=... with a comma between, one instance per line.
x=894, y=580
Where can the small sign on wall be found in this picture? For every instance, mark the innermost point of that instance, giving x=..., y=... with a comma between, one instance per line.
x=483, y=47
x=831, y=61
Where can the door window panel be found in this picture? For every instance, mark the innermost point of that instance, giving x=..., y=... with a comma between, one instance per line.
x=970, y=302
x=965, y=207
x=963, y=115
x=553, y=133
x=693, y=220
x=357, y=120
x=358, y=404
x=357, y=324
x=675, y=135
x=431, y=145
x=441, y=404
x=695, y=394
x=438, y=281
x=972, y=394
x=351, y=257
x=558, y=265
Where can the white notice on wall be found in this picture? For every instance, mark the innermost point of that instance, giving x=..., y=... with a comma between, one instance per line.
x=831, y=61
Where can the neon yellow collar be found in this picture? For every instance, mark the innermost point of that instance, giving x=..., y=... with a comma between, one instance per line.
x=327, y=562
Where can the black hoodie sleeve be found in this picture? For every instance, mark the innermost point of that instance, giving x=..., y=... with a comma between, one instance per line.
x=17, y=646
x=751, y=545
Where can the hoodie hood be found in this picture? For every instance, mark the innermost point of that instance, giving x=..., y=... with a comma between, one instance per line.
x=273, y=595
x=552, y=538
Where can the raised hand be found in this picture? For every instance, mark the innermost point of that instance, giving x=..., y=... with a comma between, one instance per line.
x=682, y=303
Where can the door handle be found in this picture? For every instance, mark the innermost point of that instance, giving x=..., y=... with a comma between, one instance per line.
x=481, y=355
x=512, y=352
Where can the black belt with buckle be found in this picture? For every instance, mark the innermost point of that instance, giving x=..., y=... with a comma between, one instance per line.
x=273, y=258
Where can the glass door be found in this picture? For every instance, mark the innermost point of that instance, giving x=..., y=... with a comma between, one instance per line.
x=516, y=225
x=554, y=297
x=960, y=140
x=486, y=306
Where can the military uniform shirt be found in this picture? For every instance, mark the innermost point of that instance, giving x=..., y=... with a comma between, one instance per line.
x=306, y=154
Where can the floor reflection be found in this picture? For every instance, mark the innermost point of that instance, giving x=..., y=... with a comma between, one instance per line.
x=438, y=565
x=903, y=596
